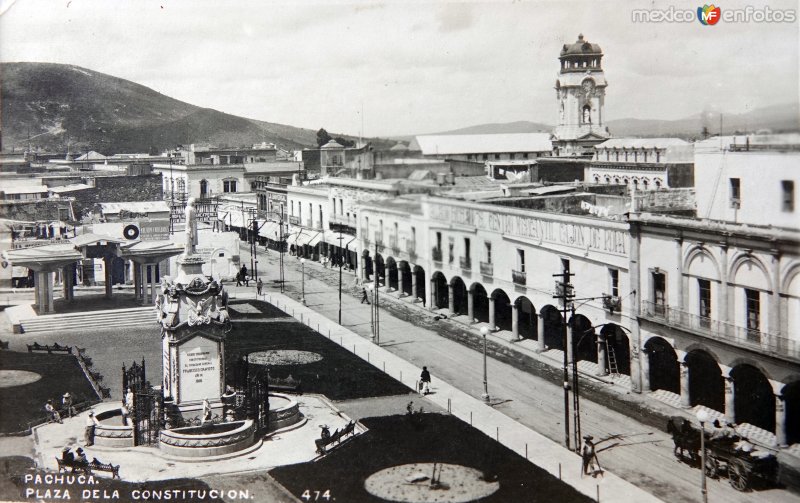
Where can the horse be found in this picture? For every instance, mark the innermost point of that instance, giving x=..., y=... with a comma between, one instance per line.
x=684, y=437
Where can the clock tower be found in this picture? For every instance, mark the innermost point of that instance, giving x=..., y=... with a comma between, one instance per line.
x=580, y=92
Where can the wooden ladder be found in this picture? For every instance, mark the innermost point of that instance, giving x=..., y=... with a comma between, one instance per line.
x=612, y=359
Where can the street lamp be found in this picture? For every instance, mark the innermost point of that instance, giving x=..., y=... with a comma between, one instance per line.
x=702, y=416
x=485, y=395
x=303, y=281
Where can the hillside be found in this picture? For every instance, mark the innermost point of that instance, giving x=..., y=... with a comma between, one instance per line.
x=55, y=105
x=779, y=118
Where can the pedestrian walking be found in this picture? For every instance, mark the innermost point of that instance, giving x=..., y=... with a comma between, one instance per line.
x=364, y=296
x=425, y=381
x=52, y=412
x=259, y=286
x=591, y=466
x=66, y=404
x=88, y=432
x=239, y=278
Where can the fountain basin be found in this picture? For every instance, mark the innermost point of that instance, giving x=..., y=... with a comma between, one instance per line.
x=110, y=432
x=283, y=411
x=208, y=440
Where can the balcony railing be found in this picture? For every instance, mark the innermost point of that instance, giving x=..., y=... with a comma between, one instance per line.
x=519, y=277
x=436, y=254
x=487, y=268
x=763, y=342
x=294, y=220
x=466, y=263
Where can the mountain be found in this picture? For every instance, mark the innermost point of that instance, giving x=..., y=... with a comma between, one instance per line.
x=55, y=105
x=778, y=118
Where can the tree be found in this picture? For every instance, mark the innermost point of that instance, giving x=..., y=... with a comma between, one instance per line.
x=345, y=143
x=323, y=137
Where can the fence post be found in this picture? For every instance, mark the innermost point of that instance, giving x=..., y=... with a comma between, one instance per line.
x=526, y=450
x=449, y=410
x=470, y=418
x=598, y=493
x=497, y=434
x=559, y=471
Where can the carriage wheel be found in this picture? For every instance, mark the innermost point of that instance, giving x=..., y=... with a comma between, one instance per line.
x=738, y=476
x=712, y=467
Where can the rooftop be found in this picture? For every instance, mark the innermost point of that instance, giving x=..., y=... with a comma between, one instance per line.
x=484, y=143
x=135, y=207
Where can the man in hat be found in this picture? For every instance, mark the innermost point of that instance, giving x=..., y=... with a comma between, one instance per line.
x=81, y=462
x=66, y=402
x=67, y=455
x=588, y=455
x=425, y=381
x=88, y=432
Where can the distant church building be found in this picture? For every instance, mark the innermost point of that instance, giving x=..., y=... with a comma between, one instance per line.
x=580, y=90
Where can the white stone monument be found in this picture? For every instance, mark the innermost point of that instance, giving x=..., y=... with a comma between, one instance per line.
x=192, y=312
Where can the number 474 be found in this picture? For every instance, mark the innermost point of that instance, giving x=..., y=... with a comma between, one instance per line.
x=316, y=495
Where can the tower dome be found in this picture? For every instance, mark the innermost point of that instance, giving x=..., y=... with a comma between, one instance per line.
x=581, y=55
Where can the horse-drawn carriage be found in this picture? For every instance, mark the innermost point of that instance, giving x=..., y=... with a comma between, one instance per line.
x=725, y=455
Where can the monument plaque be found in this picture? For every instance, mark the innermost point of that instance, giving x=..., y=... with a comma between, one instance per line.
x=199, y=369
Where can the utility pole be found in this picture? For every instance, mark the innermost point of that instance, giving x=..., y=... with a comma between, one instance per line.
x=377, y=283
x=341, y=259
x=564, y=292
x=255, y=246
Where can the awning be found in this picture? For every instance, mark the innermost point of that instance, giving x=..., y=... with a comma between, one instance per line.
x=332, y=238
x=269, y=230
x=315, y=239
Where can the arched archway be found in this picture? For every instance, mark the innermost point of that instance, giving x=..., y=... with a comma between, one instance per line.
x=753, y=398
x=584, y=338
x=706, y=385
x=404, y=277
x=380, y=270
x=419, y=273
x=502, y=310
x=391, y=274
x=459, y=295
x=618, y=342
x=553, y=327
x=791, y=397
x=665, y=371
x=526, y=318
x=439, y=290
x=480, y=303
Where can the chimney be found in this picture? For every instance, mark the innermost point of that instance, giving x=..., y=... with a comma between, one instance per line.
x=450, y=178
x=441, y=178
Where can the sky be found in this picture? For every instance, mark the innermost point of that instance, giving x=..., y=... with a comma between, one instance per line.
x=410, y=67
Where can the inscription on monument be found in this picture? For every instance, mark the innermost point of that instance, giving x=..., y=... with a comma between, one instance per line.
x=199, y=369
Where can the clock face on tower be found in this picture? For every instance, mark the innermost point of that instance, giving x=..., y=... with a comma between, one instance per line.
x=588, y=86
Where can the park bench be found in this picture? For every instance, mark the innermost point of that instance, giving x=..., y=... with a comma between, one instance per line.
x=337, y=438
x=289, y=384
x=88, y=468
x=55, y=348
